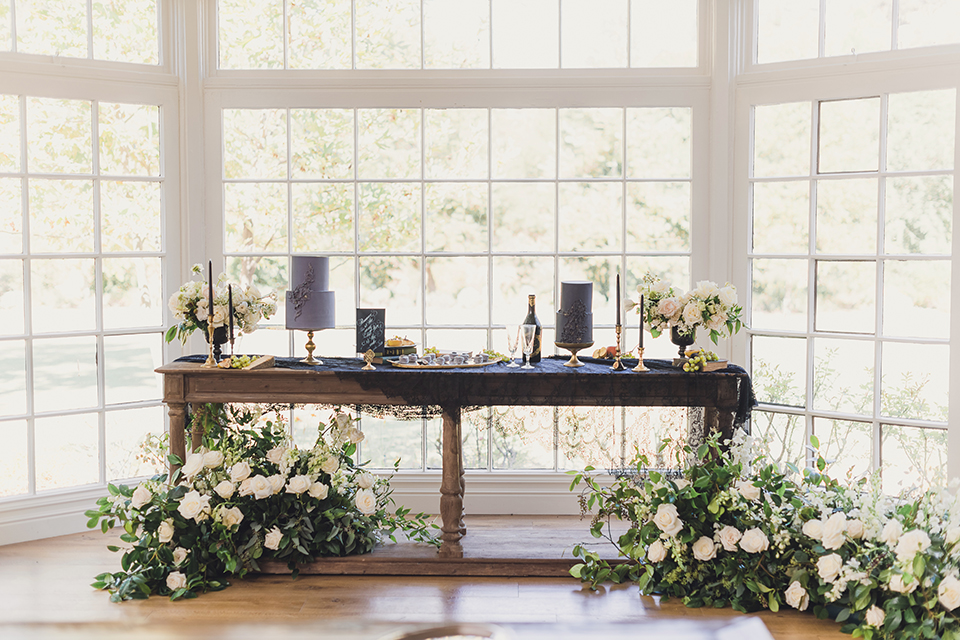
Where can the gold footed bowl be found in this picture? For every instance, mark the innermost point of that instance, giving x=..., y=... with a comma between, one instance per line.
x=573, y=348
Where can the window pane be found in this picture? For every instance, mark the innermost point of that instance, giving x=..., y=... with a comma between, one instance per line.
x=780, y=437
x=456, y=143
x=125, y=31
x=663, y=34
x=649, y=427
x=322, y=143
x=66, y=451
x=603, y=203
x=389, y=216
x=62, y=289
x=846, y=296
x=591, y=143
x=857, y=26
x=395, y=284
x=52, y=28
x=524, y=143
x=250, y=34
x=457, y=291
x=5, y=35
x=387, y=440
x=388, y=34
x=320, y=33
x=589, y=436
x=916, y=299
x=658, y=216
x=130, y=216
x=132, y=293
x=659, y=142
x=13, y=380
x=456, y=34
x=129, y=139
x=61, y=216
x=11, y=297
x=513, y=280
x=133, y=443
x=523, y=216
x=267, y=275
x=64, y=374
x=389, y=143
x=526, y=34
x=129, y=362
x=13, y=458
x=59, y=136
x=843, y=375
x=11, y=216
x=921, y=129
x=254, y=143
x=779, y=371
x=849, y=135
x=594, y=34
x=847, y=216
x=787, y=30
x=919, y=215
x=781, y=217
x=456, y=217
x=474, y=429
x=255, y=217
x=925, y=23
x=915, y=383
x=781, y=141
x=848, y=445
x=779, y=295
x=322, y=217
x=913, y=458
x=523, y=437
x=9, y=133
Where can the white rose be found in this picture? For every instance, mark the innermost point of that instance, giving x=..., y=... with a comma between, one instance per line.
x=667, y=519
x=298, y=484
x=796, y=596
x=176, y=580
x=193, y=465
x=141, y=497
x=212, y=459
x=365, y=480
x=225, y=489
x=239, y=472
x=272, y=539
x=669, y=308
x=891, y=532
x=855, y=529
x=728, y=295
x=343, y=421
x=829, y=567
x=276, y=454
x=355, y=436
x=330, y=465
x=231, y=516
x=682, y=483
x=165, y=531
x=656, y=552
x=949, y=593
x=834, y=531
x=748, y=490
x=898, y=585
x=729, y=537
x=319, y=490
x=276, y=483
x=692, y=314
x=706, y=289
x=179, y=555
x=194, y=505
x=754, y=541
x=704, y=549
x=952, y=535
x=366, y=502
x=911, y=543
x=258, y=486
x=659, y=286
x=813, y=529
x=875, y=616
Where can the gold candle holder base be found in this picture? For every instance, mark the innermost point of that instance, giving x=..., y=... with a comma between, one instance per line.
x=640, y=366
x=368, y=358
x=618, y=363
x=211, y=362
x=573, y=348
x=310, y=346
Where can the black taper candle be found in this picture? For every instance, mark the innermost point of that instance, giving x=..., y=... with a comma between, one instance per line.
x=230, y=311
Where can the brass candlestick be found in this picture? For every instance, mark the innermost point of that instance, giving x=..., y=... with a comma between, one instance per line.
x=640, y=366
x=618, y=364
x=310, y=346
x=210, y=363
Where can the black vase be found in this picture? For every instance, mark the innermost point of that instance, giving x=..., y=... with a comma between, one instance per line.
x=683, y=340
x=219, y=339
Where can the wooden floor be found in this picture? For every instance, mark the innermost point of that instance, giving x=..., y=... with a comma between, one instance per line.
x=45, y=593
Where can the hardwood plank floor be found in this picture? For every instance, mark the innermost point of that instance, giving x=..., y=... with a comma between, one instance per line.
x=45, y=593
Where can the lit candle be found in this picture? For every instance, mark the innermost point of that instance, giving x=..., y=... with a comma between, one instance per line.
x=230, y=312
x=618, y=298
x=210, y=310
x=641, y=322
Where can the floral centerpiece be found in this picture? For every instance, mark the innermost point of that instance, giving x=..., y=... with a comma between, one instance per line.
x=724, y=535
x=709, y=305
x=191, y=304
x=247, y=494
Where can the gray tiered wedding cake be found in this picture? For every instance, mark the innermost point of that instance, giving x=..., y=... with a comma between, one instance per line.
x=310, y=305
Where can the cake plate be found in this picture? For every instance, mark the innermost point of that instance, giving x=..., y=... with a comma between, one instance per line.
x=573, y=347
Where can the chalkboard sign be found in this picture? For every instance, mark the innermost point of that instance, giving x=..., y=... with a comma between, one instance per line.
x=371, y=329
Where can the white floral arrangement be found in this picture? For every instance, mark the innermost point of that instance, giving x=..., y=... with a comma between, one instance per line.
x=721, y=535
x=191, y=304
x=708, y=305
x=248, y=493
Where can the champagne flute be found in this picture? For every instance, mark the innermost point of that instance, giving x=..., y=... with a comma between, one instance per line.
x=513, y=340
x=528, y=333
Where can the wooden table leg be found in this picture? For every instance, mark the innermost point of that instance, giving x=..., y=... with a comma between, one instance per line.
x=451, y=485
x=178, y=419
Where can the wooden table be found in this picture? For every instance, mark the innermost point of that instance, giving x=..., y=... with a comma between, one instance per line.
x=340, y=381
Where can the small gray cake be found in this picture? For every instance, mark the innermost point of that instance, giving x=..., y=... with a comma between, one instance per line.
x=575, y=315
x=310, y=306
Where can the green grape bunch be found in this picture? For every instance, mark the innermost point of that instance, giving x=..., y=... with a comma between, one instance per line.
x=697, y=359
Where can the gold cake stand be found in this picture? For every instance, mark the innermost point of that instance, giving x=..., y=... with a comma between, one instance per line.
x=573, y=348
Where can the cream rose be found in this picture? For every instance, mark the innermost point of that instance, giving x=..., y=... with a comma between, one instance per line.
x=898, y=585
x=231, y=516
x=911, y=543
x=704, y=549
x=355, y=436
x=692, y=314
x=212, y=459
x=176, y=580
x=272, y=539
x=834, y=531
x=891, y=532
x=729, y=537
x=667, y=519
x=141, y=497
x=192, y=466
x=194, y=505
x=855, y=529
x=319, y=490
x=258, y=486
x=276, y=454
x=225, y=489
x=343, y=421
x=298, y=484
x=949, y=593
x=875, y=616
x=748, y=490
x=239, y=472
x=669, y=308
x=728, y=295
x=330, y=465
x=179, y=555
x=754, y=541
x=365, y=480
x=276, y=483
x=656, y=552
x=952, y=535
x=813, y=529
x=796, y=596
x=165, y=531
x=828, y=567
x=366, y=502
